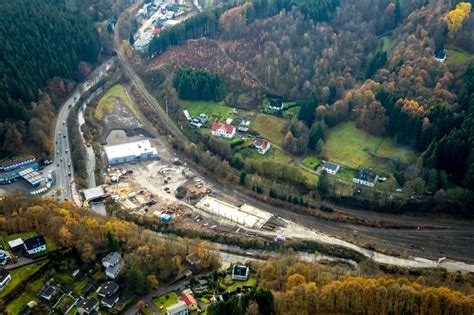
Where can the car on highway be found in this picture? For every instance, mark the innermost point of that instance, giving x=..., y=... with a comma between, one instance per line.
x=64, y=122
x=69, y=174
x=68, y=165
x=64, y=136
x=66, y=150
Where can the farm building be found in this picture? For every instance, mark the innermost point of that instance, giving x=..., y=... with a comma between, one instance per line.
x=329, y=167
x=365, y=177
x=262, y=146
x=222, y=130
x=130, y=152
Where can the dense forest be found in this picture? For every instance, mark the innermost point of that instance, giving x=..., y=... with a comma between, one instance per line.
x=40, y=42
x=197, y=85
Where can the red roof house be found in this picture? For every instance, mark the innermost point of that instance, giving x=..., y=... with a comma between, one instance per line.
x=223, y=130
x=262, y=146
x=189, y=300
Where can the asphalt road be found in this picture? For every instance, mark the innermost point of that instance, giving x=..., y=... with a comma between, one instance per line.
x=62, y=153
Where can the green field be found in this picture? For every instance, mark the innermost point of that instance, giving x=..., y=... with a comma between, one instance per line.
x=16, y=305
x=458, y=56
x=233, y=285
x=385, y=42
x=311, y=161
x=270, y=127
x=291, y=112
x=107, y=102
x=355, y=148
x=274, y=154
x=162, y=302
x=216, y=111
x=19, y=275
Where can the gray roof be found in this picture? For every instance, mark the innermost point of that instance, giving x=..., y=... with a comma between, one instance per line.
x=88, y=304
x=112, y=258
x=109, y=288
x=330, y=165
x=240, y=270
x=365, y=175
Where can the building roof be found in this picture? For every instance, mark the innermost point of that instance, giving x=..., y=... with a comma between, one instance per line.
x=111, y=299
x=17, y=161
x=47, y=291
x=240, y=270
x=93, y=193
x=88, y=304
x=115, y=269
x=261, y=143
x=188, y=299
x=3, y=274
x=112, y=258
x=34, y=242
x=15, y=243
x=136, y=149
x=365, y=175
x=330, y=165
x=175, y=308
x=227, y=128
x=109, y=288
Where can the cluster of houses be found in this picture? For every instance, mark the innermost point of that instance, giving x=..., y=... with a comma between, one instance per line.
x=161, y=15
x=361, y=176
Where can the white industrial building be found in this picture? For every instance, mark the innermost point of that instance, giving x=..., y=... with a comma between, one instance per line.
x=130, y=152
x=245, y=215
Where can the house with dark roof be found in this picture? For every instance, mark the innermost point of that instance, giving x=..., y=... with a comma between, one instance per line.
x=107, y=289
x=240, y=273
x=88, y=305
x=223, y=130
x=110, y=301
x=5, y=278
x=365, y=177
x=47, y=292
x=330, y=167
x=275, y=104
x=262, y=146
x=440, y=55
x=35, y=244
x=28, y=307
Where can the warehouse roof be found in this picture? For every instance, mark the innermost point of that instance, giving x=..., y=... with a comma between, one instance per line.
x=129, y=149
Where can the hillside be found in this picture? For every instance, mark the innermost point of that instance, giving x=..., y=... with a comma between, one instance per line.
x=40, y=41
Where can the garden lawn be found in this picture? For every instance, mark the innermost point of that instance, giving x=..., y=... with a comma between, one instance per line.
x=15, y=306
x=355, y=148
x=165, y=302
x=240, y=284
x=291, y=112
x=216, y=111
x=270, y=127
x=107, y=102
x=458, y=56
x=311, y=161
x=148, y=311
x=385, y=42
x=19, y=275
x=274, y=154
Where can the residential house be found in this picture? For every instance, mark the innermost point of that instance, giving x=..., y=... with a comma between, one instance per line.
x=189, y=300
x=112, y=264
x=88, y=305
x=15, y=244
x=244, y=125
x=262, y=146
x=47, y=292
x=223, y=130
x=440, y=55
x=240, y=273
x=5, y=257
x=365, y=177
x=110, y=301
x=35, y=245
x=180, y=308
x=5, y=278
x=275, y=104
x=329, y=167
x=28, y=307
x=108, y=289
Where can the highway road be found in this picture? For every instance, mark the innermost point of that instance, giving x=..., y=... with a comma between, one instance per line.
x=62, y=165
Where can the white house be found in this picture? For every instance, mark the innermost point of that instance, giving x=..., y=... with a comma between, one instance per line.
x=240, y=273
x=329, y=167
x=35, y=245
x=262, y=146
x=222, y=130
x=180, y=308
x=5, y=278
x=112, y=264
x=275, y=104
x=365, y=177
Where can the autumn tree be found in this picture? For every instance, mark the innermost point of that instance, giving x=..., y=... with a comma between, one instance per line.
x=455, y=18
